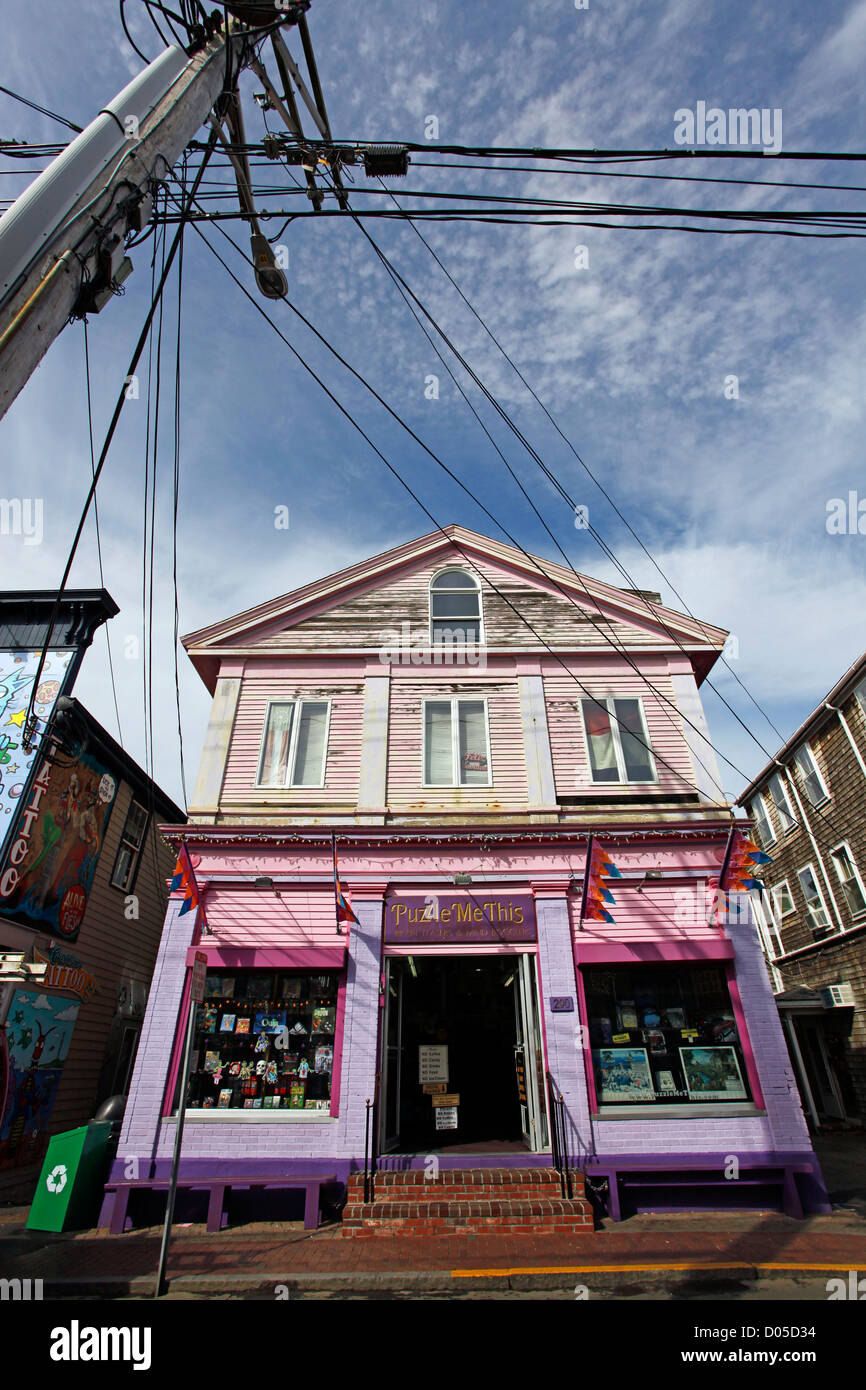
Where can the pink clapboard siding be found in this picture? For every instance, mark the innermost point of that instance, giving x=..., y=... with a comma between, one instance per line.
x=406, y=746
x=663, y=913
x=343, y=760
x=371, y=616
x=613, y=677
x=257, y=918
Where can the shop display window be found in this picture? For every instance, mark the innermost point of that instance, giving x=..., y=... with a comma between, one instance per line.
x=264, y=1040
x=664, y=1035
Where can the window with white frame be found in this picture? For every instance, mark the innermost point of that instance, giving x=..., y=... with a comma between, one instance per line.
x=781, y=802
x=758, y=812
x=129, y=852
x=617, y=741
x=456, y=743
x=813, y=782
x=455, y=608
x=783, y=903
x=849, y=878
x=295, y=744
x=814, y=899
x=860, y=692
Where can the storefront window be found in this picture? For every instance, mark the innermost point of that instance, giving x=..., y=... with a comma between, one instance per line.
x=664, y=1035
x=264, y=1040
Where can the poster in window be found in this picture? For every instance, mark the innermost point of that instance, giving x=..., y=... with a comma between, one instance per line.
x=623, y=1074
x=270, y=1023
x=712, y=1073
x=49, y=867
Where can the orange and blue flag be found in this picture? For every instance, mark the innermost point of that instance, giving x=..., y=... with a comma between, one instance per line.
x=184, y=881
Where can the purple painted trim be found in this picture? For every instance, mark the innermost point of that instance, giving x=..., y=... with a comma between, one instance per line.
x=657, y=952
x=745, y=1040
x=587, y=1050
x=177, y=1049
x=810, y=1184
x=338, y=1045
x=254, y=957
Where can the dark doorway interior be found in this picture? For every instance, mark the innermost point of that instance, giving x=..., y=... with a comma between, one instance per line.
x=468, y=1003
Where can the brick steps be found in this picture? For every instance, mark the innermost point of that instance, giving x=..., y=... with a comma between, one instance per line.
x=469, y=1201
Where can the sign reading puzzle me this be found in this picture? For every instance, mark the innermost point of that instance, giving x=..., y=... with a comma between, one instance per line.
x=425, y=921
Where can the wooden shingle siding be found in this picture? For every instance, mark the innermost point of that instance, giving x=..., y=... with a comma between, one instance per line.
x=371, y=620
x=563, y=697
x=343, y=759
x=406, y=747
x=113, y=949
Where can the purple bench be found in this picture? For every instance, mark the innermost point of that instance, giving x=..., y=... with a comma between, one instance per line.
x=217, y=1218
x=662, y=1172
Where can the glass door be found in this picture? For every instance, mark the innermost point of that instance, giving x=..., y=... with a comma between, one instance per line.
x=392, y=1056
x=529, y=1059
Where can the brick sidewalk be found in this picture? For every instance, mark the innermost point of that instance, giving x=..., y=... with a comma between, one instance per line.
x=644, y=1249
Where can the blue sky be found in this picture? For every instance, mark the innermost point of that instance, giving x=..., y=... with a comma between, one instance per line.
x=630, y=353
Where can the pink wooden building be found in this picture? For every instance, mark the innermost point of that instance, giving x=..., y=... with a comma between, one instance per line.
x=460, y=719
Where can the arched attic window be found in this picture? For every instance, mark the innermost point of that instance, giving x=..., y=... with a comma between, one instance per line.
x=455, y=608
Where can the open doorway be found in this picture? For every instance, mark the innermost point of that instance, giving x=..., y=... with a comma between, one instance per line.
x=466, y=1028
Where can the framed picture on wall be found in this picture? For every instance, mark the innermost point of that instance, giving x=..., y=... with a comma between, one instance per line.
x=712, y=1073
x=623, y=1074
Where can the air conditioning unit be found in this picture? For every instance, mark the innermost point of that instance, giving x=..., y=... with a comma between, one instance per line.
x=838, y=996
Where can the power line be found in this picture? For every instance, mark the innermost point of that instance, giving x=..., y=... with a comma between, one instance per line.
x=43, y=110
x=96, y=519
x=121, y=398
x=503, y=597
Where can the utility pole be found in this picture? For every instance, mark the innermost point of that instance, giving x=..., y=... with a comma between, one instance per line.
x=62, y=243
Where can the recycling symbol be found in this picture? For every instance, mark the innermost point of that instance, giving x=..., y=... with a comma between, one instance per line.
x=56, y=1180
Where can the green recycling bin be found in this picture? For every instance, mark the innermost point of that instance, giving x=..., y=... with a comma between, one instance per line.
x=69, y=1193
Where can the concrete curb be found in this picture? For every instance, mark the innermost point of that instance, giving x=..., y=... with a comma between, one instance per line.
x=458, y=1283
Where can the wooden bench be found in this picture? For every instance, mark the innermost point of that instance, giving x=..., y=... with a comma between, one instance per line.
x=631, y=1174
x=217, y=1217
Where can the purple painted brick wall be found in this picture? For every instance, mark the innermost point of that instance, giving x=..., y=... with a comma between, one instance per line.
x=147, y=1137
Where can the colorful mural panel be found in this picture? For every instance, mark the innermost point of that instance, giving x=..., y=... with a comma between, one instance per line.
x=17, y=673
x=36, y=1041
x=48, y=868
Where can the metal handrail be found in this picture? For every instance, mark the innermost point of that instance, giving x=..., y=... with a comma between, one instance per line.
x=558, y=1151
x=371, y=1148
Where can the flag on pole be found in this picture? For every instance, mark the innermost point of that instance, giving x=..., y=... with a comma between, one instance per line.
x=738, y=872
x=184, y=880
x=345, y=915
x=597, y=897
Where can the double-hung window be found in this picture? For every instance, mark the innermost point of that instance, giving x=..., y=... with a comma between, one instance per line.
x=295, y=744
x=781, y=803
x=812, y=779
x=762, y=821
x=129, y=853
x=455, y=609
x=456, y=743
x=617, y=741
x=818, y=918
x=782, y=901
x=846, y=872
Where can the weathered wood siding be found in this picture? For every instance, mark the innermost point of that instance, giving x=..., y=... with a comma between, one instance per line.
x=343, y=757
x=373, y=619
x=406, y=791
x=563, y=695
